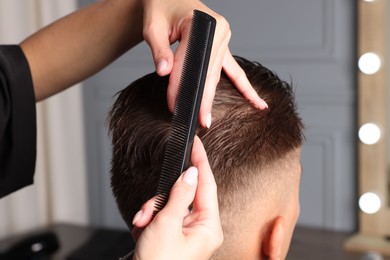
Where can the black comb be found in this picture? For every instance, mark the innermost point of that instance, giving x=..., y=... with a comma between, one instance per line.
x=185, y=116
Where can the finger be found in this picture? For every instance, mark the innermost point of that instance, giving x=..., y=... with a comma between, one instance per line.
x=238, y=77
x=143, y=217
x=174, y=77
x=206, y=199
x=213, y=75
x=205, y=211
x=182, y=193
x=181, y=196
x=157, y=37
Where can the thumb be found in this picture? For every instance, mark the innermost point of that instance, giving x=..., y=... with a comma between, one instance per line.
x=182, y=194
x=157, y=37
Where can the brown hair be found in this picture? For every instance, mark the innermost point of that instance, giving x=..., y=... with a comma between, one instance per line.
x=241, y=141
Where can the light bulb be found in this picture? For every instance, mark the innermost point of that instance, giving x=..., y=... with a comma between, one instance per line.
x=370, y=203
x=369, y=133
x=369, y=63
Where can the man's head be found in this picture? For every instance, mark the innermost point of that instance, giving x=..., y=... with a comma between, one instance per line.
x=254, y=155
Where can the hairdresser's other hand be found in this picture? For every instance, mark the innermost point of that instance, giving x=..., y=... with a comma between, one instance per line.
x=176, y=233
x=168, y=21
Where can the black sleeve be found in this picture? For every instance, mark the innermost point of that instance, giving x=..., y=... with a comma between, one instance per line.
x=17, y=121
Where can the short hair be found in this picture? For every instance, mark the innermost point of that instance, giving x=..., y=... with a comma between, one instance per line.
x=241, y=141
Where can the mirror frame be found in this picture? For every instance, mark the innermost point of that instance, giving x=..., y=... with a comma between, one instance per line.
x=374, y=229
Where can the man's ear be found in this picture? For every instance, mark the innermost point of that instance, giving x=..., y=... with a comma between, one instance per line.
x=273, y=241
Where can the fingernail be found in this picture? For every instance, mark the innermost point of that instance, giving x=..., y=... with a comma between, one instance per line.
x=137, y=216
x=191, y=176
x=161, y=66
x=208, y=120
x=260, y=103
x=265, y=105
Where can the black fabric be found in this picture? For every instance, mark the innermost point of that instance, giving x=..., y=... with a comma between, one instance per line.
x=17, y=121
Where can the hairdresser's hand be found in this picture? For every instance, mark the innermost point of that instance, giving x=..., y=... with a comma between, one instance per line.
x=168, y=21
x=176, y=233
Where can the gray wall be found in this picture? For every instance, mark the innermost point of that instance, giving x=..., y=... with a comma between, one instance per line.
x=308, y=42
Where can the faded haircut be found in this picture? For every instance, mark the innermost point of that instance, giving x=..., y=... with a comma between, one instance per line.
x=241, y=141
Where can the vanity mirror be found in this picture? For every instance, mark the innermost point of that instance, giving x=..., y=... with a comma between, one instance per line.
x=374, y=124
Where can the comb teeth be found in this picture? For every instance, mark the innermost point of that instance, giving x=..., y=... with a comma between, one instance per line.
x=185, y=116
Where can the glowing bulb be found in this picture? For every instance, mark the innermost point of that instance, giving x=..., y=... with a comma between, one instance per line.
x=369, y=1
x=369, y=203
x=369, y=63
x=369, y=133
